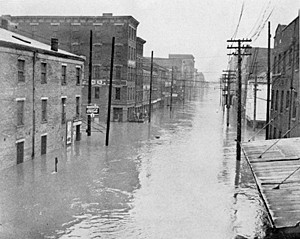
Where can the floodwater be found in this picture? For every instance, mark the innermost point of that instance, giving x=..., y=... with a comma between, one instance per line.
x=176, y=177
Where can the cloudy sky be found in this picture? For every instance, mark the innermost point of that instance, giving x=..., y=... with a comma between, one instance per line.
x=198, y=27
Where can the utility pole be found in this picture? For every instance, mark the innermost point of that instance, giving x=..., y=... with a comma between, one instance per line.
x=90, y=83
x=268, y=81
x=228, y=98
x=171, y=99
x=110, y=90
x=255, y=97
x=239, y=92
x=151, y=76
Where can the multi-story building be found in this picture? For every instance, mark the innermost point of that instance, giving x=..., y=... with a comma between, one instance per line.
x=254, y=85
x=184, y=71
x=73, y=34
x=40, y=98
x=140, y=76
x=285, y=95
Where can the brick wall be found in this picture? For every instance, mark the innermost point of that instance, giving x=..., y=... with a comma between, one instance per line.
x=73, y=34
x=12, y=90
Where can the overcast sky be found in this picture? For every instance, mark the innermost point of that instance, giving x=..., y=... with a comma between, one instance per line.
x=198, y=27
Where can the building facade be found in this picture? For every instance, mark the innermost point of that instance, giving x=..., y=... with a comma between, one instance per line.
x=73, y=34
x=40, y=98
x=254, y=85
x=285, y=95
x=183, y=66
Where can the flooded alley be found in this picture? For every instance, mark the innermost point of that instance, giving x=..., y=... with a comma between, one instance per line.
x=176, y=177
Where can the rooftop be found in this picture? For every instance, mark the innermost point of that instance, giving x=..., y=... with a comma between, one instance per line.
x=14, y=40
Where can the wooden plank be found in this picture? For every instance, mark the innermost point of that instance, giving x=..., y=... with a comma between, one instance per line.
x=272, y=168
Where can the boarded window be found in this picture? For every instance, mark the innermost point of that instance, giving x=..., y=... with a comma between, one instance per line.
x=118, y=93
x=63, y=75
x=43, y=73
x=96, y=72
x=78, y=75
x=20, y=112
x=44, y=110
x=21, y=70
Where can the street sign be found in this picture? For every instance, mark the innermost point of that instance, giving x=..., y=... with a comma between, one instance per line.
x=92, y=110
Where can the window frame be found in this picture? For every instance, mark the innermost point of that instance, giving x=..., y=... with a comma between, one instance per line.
x=20, y=112
x=78, y=75
x=63, y=75
x=43, y=73
x=44, y=105
x=21, y=70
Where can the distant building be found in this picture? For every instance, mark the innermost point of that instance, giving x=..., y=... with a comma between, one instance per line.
x=40, y=98
x=160, y=78
x=285, y=82
x=254, y=85
x=184, y=71
x=140, y=76
x=73, y=34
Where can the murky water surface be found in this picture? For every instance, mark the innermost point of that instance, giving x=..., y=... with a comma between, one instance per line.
x=174, y=178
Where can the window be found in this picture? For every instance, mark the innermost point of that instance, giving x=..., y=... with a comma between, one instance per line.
x=276, y=100
x=287, y=100
x=77, y=106
x=118, y=72
x=283, y=62
x=78, y=75
x=290, y=56
x=44, y=110
x=63, y=110
x=63, y=75
x=279, y=63
x=272, y=100
x=281, y=101
x=274, y=65
x=96, y=72
x=43, y=73
x=294, y=105
x=20, y=112
x=21, y=70
x=97, y=92
x=118, y=93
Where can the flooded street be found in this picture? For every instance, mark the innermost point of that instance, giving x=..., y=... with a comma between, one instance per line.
x=174, y=178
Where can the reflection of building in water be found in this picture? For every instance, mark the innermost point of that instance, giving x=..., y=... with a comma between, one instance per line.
x=41, y=95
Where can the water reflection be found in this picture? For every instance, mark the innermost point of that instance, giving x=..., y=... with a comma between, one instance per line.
x=174, y=178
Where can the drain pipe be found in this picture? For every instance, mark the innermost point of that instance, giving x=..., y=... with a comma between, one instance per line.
x=33, y=105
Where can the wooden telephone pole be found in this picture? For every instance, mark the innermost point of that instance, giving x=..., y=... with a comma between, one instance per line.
x=229, y=76
x=239, y=91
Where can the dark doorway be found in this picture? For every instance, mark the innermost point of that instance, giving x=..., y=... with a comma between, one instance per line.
x=118, y=114
x=20, y=152
x=78, y=133
x=44, y=144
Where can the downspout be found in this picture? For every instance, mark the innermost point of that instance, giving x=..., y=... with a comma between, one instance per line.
x=33, y=105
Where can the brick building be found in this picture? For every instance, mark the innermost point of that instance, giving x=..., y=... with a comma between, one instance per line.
x=285, y=95
x=140, y=76
x=254, y=85
x=40, y=98
x=73, y=34
x=184, y=71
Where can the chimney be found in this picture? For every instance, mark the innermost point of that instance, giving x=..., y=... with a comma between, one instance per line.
x=107, y=14
x=54, y=44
